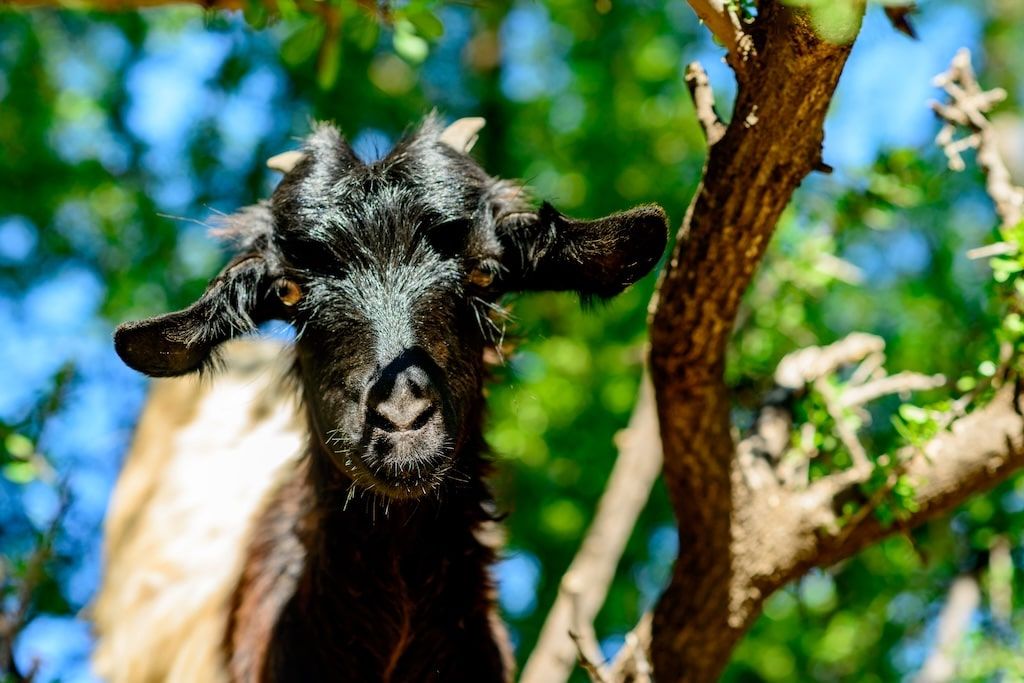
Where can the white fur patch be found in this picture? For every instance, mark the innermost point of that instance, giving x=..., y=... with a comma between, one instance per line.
x=204, y=457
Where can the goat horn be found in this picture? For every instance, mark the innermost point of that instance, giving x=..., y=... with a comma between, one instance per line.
x=285, y=161
x=463, y=134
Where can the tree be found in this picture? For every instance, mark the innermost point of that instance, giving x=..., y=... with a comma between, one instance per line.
x=751, y=526
x=755, y=513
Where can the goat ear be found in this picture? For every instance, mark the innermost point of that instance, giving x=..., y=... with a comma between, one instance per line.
x=547, y=250
x=181, y=342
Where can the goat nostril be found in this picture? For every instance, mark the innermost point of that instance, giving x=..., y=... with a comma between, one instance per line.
x=424, y=417
x=400, y=416
x=379, y=421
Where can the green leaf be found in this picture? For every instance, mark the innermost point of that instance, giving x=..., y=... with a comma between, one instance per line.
x=363, y=32
x=426, y=22
x=409, y=45
x=1014, y=324
x=329, y=63
x=288, y=10
x=1003, y=268
x=20, y=472
x=256, y=14
x=966, y=383
x=837, y=21
x=914, y=414
x=18, y=445
x=302, y=44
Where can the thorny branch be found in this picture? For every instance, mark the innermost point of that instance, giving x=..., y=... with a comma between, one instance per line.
x=811, y=367
x=967, y=109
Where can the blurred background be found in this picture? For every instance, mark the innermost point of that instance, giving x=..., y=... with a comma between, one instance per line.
x=122, y=134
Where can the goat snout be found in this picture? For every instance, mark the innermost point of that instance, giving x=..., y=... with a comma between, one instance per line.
x=403, y=398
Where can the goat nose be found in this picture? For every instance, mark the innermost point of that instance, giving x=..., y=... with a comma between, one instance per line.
x=401, y=401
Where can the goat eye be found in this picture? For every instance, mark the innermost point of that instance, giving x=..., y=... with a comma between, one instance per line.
x=482, y=275
x=449, y=238
x=288, y=291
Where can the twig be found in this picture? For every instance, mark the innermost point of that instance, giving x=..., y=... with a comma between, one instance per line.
x=588, y=650
x=856, y=476
x=967, y=108
x=847, y=434
x=11, y=624
x=994, y=249
x=811, y=366
x=631, y=664
x=900, y=383
x=869, y=368
x=770, y=434
x=704, y=102
x=771, y=430
x=803, y=367
x=961, y=602
x=586, y=582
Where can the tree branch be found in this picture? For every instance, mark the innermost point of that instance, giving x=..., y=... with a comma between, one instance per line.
x=975, y=453
x=900, y=383
x=586, y=582
x=961, y=602
x=771, y=144
x=980, y=450
x=588, y=650
x=810, y=364
x=704, y=102
x=725, y=24
x=967, y=108
x=746, y=527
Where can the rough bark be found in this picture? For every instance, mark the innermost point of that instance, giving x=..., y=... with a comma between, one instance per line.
x=772, y=143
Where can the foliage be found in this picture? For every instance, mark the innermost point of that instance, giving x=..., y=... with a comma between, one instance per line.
x=118, y=145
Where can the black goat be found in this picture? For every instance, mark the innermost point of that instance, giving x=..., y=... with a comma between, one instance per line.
x=391, y=273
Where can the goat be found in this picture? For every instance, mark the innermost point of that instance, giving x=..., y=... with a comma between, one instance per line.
x=366, y=561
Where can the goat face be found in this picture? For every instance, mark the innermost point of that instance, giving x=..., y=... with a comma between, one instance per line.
x=391, y=273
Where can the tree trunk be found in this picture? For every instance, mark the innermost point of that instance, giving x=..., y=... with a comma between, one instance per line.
x=772, y=143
